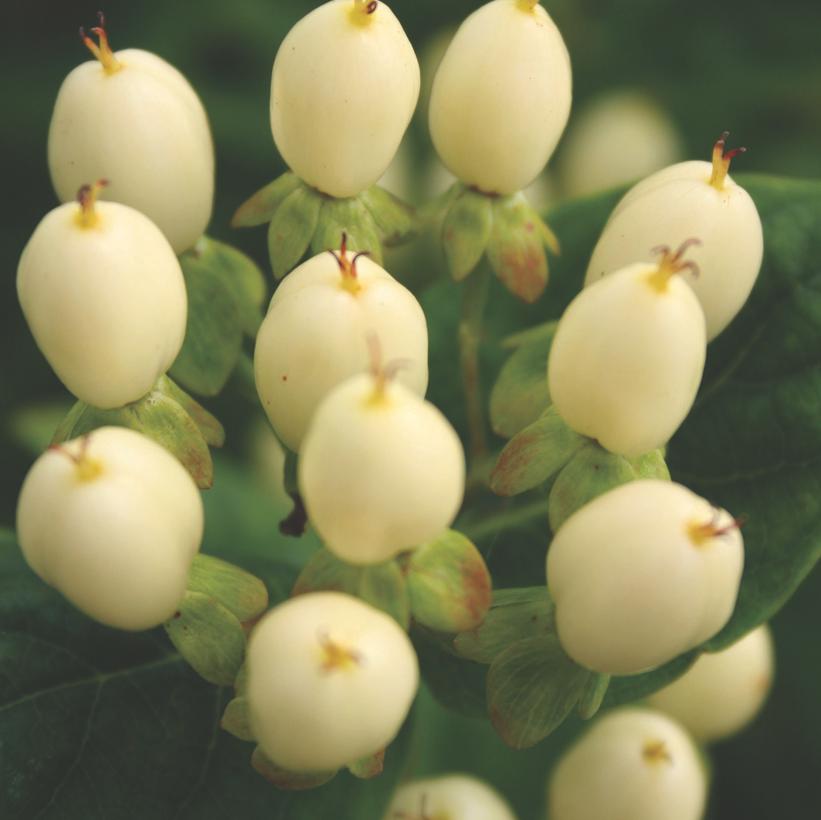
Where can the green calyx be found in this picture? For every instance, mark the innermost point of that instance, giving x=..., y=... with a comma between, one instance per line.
x=303, y=220
x=506, y=229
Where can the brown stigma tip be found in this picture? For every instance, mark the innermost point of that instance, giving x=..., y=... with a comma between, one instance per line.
x=722, y=159
x=102, y=48
x=673, y=262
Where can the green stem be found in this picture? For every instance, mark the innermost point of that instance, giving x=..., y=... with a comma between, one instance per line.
x=473, y=298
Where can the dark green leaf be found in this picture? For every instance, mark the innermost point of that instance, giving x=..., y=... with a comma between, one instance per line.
x=516, y=248
x=448, y=583
x=241, y=593
x=535, y=454
x=209, y=637
x=213, y=334
x=466, y=232
x=531, y=688
x=395, y=221
x=261, y=207
x=291, y=229
x=636, y=687
x=351, y=217
x=380, y=585
x=520, y=394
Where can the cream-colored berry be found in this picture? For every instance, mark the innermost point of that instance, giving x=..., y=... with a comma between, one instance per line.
x=723, y=691
x=330, y=680
x=501, y=96
x=380, y=471
x=344, y=88
x=628, y=357
x=690, y=199
x=112, y=520
x=316, y=333
x=632, y=763
x=104, y=296
x=455, y=796
x=132, y=118
x=642, y=574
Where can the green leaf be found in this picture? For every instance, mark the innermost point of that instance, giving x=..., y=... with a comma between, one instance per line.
x=213, y=334
x=156, y=416
x=520, y=394
x=351, y=217
x=261, y=207
x=516, y=248
x=291, y=229
x=513, y=615
x=593, y=696
x=594, y=471
x=97, y=722
x=531, y=688
x=395, y=221
x=380, y=585
x=240, y=592
x=448, y=583
x=535, y=454
x=466, y=232
x=209, y=637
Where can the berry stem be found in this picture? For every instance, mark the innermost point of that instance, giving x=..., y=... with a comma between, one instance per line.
x=87, y=197
x=473, y=298
x=722, y=159
x=101, y=50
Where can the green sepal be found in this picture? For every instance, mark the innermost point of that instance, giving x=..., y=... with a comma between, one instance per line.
x=209, y=637
x=396, y=221
x=261, y=207
x=448, y=583
x=157, y=416
x=535, y=454
x=380, y=585
x=241, y=593
x=213, y=333
x=513, y=615
x=369, y=767
x=349, y=217
x=212, y=431
x=521, y=394
x=516, y=248
x=292, y=228
x=466, y=232
x=285, y=780
x=594, y=471
x=236, y=720
x=593, y=695
x=532, y=687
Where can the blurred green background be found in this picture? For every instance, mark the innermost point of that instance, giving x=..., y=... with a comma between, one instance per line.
x=752, y=68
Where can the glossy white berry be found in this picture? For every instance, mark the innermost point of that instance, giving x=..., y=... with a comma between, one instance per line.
x=501, y=96
x=618, y=138
x=690, y=199
x=112, y=521
x=316, y=333
x=343, y=90
x=104, y=296
x=641, y=574
x=631, y=764
x=723, y=691
x=455, y=796
x=133, y=119
x=628, y=356
x=380, y=470
x=330, y=680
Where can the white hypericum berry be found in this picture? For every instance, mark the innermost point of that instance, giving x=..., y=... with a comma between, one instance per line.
x=618, y=138
x=628, y=356
x=723, y=691
x=316, y=332
x=104, y=296
x=641, y=574
x=343, y=90
x=631, y=764
x=455, y=796
x=691, y=199
x=501, y=96
x=130, y=117
x=112, y=520
x=330, y=680
x=380, y=471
